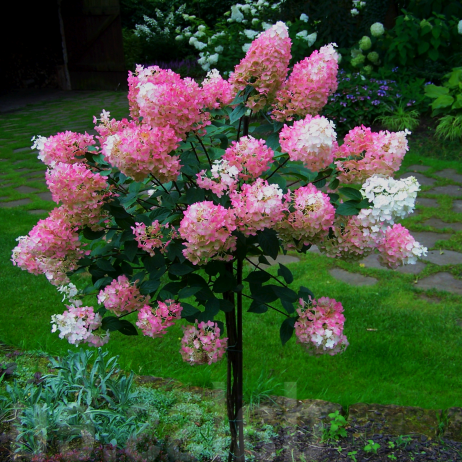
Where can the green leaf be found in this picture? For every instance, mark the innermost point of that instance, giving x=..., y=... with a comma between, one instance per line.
x=423, y=47
x=273, y=141
x=103, y=282
x=442, y=101
x=179, y=269
x=148, y=287
x=212, y=307
x=288, y=306
x=433, y=54
x=334, y=184
x=287, y=329
x=153, y=263
x=127, y=328
x=258, y=277
x=237, y=113
x=105, y=265
x=175, y=250
x=224, y=283
x=284, y=293
x=263, y=294
x=172, y=289
x=92, y=235
x=347, y=208
x=305, y=293
x=269, y=243
x=188, y=310
x=433, y=91
x=131, y=249
x=110, y=323
x=285, y=273
x=187, y=292
x=194, y=195
x=351, y=193
x=226, y=305
x=257, y=307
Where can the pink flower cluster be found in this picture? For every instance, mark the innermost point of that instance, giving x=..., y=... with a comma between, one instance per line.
x=368, y=153
x=155, y=324
x=62, y=147
x=216, y=91
x=81, y=191
x=257, y=206
x=311, y=218
x=77, y=325
x=139, y=151
x=250, y=156
x=264, y=66
x=108, y=127
x=350, y=241
x=320, y=326
x=207, y=229
x=398, y=247
x=121, y=296
x=150, y=237
x=311, y=140
x=52, y=248
x=307, y=89
x=202, y=344
x=164, y=99
x=224, y=178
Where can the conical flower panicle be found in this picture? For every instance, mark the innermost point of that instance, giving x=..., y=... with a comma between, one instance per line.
x=264, y=66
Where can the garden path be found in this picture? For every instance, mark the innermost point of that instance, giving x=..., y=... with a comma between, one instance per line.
x=22, y=184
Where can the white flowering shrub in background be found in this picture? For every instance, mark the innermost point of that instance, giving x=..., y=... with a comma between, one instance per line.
x=227, y=43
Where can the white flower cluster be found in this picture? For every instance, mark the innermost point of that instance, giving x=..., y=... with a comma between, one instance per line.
x=304, y=17
x=377, y=29
x=390, y=199
x=459, y=27
x=309, y=38
x=357, y=5
x=69, y=292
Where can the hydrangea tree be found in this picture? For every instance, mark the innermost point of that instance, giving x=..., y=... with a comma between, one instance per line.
x=203, y=179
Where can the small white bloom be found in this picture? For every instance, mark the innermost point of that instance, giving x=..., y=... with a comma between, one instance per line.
x=354, y=12
x=236, y=15
x=199, y=45
x=187, y=34
x=245, y=47
x=179, y=38
x=201, y=28
x=377, y=29
x=255, y=21
x=219, y=49
x=213, y=59
x=245, y=8
x=192, y=41
x=265, y=25
x=459, y=27
x=312, y=38
x=251, y=34
x=302, y=34
x=304, y=17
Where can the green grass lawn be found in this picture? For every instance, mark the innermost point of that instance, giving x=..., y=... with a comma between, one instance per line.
x=403, y=350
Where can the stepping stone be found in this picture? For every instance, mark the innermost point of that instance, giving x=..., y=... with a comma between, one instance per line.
x=443, y=257
x=457, y=206
x=418, y=168
x=353, y=279
x=14, y=203
x=26, y=189
x=428, y=239
x=46, y=196
x=450, y=174
x=430, y=299
x=450, y=190
x=35, y=173
x=422, y=179
x=441, y=281
x=4, y=160
x=4, y=198
x=22, y=149
x=6, y=185
x=439, y=224
x=37, y=212
x=284, y=259
x=314, y=249
x=426, y=202
x=372, y=261
x=22, y=170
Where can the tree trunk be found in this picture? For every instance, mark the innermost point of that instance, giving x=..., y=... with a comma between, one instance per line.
x=234, y=385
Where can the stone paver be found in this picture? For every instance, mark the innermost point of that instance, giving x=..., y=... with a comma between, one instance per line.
x=450, y=190
x=46, y=196
x=457, y=206
x=37, y=212
x=14, y=203
x=450, y=174
x=428, y=238
x=441, y=281
x=22, y=149
x=35, y=173
x=439, y=224
x=372, y=261
x=430, y=299
x=353, y=279
x=422, y=179
x=443, y=257
x=426, y=202
x=26, y=189
x=417, y=168
x=5, y=185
